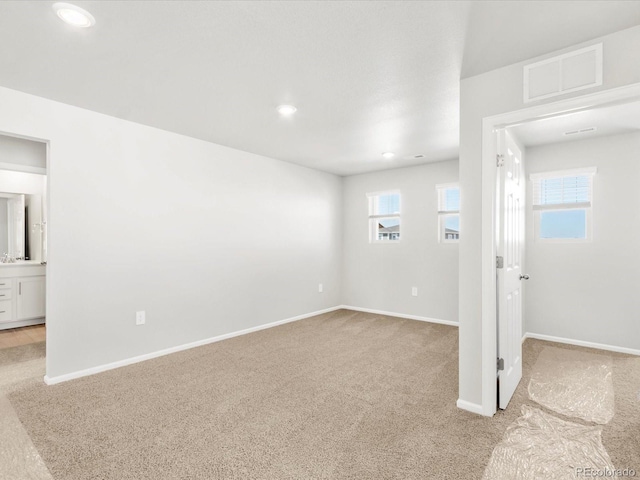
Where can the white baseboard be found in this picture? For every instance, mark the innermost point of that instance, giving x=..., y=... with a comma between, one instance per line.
x=22, y=323
x=401, y=315
x=581, y=343
x=471, y=407
x=148, y=356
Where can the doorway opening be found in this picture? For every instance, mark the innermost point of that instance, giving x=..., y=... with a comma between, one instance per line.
x=23, y=246
x=538, y=152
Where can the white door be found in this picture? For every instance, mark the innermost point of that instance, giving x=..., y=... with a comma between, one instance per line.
x=31, y=297
x=510, y=248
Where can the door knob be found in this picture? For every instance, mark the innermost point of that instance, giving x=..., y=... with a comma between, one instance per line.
x=524, y=277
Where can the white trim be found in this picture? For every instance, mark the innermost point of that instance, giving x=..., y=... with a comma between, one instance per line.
x=148, y=356
x=560, y=206
x=489, y=347
x=603, y=98
x=451, y=323
x=573, y=172
x=16, y=167
x=581, y=343
x=448, y=185
x=471, y=407
x=22, y=323
x=393, y=191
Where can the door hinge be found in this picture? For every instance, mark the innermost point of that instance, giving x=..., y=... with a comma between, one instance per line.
x=500, y=159
x=500, y=364
x=499, y=262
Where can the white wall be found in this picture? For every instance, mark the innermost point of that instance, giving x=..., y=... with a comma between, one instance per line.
x=22, y=152
x=380, y=276
x=492, y=93
x=589, y=291
x=207, y=239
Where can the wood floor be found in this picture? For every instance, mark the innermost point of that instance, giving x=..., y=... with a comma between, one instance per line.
x=14, y=337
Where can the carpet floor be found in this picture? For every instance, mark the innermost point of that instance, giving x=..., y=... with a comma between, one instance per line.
x=344, y=395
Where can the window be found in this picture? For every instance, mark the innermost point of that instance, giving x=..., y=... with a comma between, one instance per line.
x=384, y=217
x=562, y=205
x=448, y=213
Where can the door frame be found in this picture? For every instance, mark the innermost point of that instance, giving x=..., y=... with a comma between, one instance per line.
x=46, y=172
x=490, y=125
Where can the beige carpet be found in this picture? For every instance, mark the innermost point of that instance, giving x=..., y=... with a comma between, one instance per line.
x=13, y=355
x=344, y=395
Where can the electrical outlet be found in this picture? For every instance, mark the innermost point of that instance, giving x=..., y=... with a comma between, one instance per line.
x=140, y=318
x=320, y=288
x=414, y=291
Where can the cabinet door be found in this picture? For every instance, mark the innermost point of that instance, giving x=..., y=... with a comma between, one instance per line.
x=6, y=311
x=31, y=297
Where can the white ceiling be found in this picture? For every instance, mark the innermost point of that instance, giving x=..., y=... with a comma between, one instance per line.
x=367, y=77
x=610, y=120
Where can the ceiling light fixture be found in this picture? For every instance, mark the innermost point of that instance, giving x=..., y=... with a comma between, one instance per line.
x=388, y=155
x=75, y=16
x=286, y=110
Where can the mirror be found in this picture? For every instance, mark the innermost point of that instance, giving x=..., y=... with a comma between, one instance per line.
x=21, y=227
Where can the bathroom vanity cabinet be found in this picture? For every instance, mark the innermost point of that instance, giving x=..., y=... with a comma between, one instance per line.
x=22, y=294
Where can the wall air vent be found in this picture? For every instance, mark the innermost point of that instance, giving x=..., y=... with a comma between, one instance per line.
x=564, y=73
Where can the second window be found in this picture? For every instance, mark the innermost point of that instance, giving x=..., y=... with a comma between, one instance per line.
x=448, y=212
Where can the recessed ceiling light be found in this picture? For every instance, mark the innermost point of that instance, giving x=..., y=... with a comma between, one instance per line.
x=388, y=155
x=75, y=16
x=286, y=110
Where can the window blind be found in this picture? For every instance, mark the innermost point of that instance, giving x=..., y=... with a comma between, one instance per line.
x=385, y=204
x=448, y=199
x=562, y=190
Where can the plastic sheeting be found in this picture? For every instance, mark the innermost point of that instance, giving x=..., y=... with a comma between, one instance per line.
x=574, y=383
x=538, y=445
x=19, y=459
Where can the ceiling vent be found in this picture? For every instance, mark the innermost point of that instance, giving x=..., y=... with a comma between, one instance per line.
x=584, y=130
x=564, y=73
